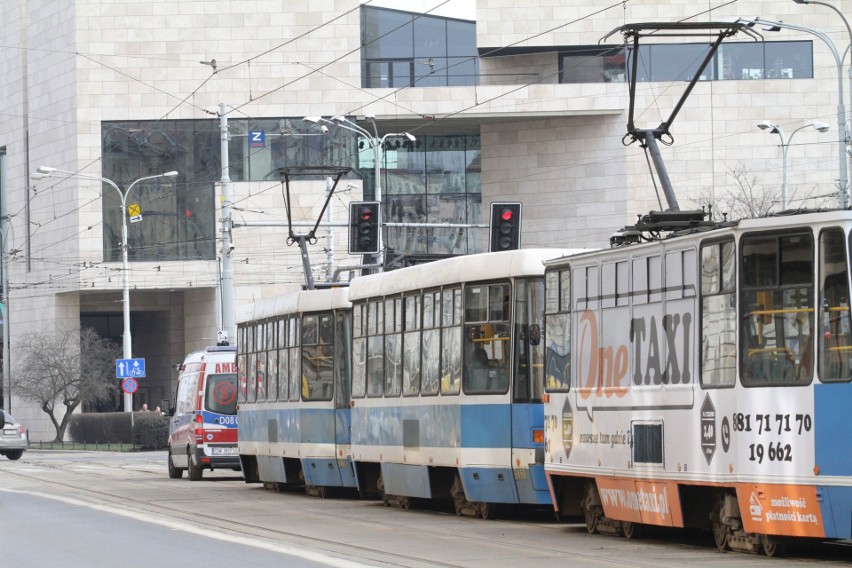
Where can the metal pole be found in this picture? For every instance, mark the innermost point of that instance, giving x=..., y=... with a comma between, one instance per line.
x=329, y=241
x=784, y=146
x=841, y=127
x=127, y=341
x=842, y=182
x=228, y=333
x=377, y=166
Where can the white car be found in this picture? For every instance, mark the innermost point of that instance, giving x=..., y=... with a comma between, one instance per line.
x=13, y=440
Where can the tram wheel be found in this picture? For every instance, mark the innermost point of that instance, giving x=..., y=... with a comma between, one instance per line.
x=631, y=530
x=771, y=546
x=488, y=511
x=720, y=529
x=590, y=512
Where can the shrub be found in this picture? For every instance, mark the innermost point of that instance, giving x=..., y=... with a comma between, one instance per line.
x=150, y=429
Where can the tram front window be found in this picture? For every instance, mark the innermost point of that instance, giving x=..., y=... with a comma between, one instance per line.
x=778, y=310
x=487, y=335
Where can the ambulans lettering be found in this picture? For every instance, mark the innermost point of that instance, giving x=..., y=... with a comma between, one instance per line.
x=225, y=368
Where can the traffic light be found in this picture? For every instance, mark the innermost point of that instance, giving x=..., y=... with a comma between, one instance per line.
x=505, y=226
x=364, y=227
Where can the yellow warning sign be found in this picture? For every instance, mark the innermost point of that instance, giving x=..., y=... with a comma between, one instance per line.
x=134, y=211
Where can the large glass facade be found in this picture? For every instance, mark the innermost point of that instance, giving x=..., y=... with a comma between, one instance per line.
x=433, y=180
x=402, y=49
x=678, y=62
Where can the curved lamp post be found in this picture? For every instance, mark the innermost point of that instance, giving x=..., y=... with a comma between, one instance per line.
x=376, y=143
x=842, y=57
x=44, y=172
x=843, y=181
x=773, y=128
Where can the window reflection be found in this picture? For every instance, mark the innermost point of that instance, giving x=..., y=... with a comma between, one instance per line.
x=677, y=62
x=427, y=51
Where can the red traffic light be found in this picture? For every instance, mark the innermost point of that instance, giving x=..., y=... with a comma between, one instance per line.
x=366, y=214
x=506, y=215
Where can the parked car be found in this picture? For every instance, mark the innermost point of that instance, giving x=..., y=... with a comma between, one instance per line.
x=14, y=440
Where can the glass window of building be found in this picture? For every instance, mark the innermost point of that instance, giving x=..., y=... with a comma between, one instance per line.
x=677, y=62
x=402, y=49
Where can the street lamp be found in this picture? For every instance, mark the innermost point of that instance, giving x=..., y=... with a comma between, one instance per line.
x=377, y=143
x=45, y=172
x=839, y=65
x=785, y=144
x=772, y=25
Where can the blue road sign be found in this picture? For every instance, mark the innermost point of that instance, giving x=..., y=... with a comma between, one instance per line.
x=129, y=368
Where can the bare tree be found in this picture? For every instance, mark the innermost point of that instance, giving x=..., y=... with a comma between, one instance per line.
x=63, y=369
x=748, y=199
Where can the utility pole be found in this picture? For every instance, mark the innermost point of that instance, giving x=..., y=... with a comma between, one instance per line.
x=228, y=334
x=329, y=240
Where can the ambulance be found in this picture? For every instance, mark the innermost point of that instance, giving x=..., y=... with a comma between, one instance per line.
x=203, y=424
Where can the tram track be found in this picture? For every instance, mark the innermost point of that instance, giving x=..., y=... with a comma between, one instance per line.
x=262, y=514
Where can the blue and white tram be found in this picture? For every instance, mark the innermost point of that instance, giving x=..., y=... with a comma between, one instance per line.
x=704, y=381
x=293, y=367
x=447, y=380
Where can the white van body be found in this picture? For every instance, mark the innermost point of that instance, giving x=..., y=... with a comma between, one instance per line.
x=203, y=428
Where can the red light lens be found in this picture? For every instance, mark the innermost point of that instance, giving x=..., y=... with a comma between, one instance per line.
x=506, y=215
x=366, y=214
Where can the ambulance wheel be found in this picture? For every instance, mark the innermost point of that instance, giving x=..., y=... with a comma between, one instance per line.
x=174, y=472
x=195, y=471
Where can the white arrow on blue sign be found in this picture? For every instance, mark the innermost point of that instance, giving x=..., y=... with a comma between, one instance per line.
x=129, y=368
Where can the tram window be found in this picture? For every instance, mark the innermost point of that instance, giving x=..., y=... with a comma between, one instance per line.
x=565, y=290
x=451, y=360
x=259, y=343
x=272, y=374
x=282, y=333
x=412, y=312
x=342, y=358
x=270, y=335
x=251, y=389
x=718, y=317
x=760, y=262
x=241, y=377
x=447, y=307
x=475, y=303
x=777, y=306
x=689, y=277
x=487, y=334
x=498, y=302
x=295, y=371
x=647, y=443
x=411, y=363
x=528, y=383
x=358, y=320
x=359, y=367
x=551, y=292
x=375, y=365
x=317, y=357
x=835, y=334
x=393, y=364
x=261, y=376
x=428, y=310
x=283, y=373
x=431, y=377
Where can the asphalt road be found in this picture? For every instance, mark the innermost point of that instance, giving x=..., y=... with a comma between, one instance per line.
x=76, y=509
